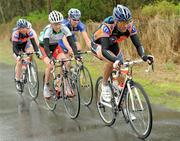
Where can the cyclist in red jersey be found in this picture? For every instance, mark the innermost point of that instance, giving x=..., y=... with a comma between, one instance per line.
x=23, y=38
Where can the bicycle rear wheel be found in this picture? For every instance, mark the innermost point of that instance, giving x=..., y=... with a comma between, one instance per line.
x=85, y=86
x=51, y=102
x=71, y=97
x=33, y=79
x=139, y=110
x=106, y=110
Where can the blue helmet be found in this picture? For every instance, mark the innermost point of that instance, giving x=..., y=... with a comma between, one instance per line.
x=22, y=23
x=121, y=13
x=74, y=14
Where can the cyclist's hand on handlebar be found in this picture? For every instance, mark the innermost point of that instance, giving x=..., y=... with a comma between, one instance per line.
x=78, y=57
x=18, y=58
x=70, y=52
x=148, y=58
x=38, y=54
x=52, y=61
x=117, y=64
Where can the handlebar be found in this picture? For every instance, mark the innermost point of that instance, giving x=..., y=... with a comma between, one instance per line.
x=26, y=54
x=84, y=52
x=138, y=61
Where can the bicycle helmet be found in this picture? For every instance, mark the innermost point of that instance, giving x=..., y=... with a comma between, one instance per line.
x=55, y=17
x=74, y=14
x=22, y=23
x=122, y=13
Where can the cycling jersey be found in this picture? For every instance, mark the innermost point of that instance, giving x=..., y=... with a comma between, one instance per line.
x=109, y=29
x=21, y=41
x=22, y=38
x=80, y=27
x=53, y=37
x=108, y=35
x=49, y=39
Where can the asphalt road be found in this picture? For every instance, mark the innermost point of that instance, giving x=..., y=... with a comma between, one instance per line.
x=22, y=119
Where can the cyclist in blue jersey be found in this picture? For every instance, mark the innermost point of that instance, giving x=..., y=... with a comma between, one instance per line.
x=115, y=29
x=75, y=25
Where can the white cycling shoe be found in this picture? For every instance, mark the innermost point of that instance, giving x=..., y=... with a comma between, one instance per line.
x=106, y=93
x=46, y=92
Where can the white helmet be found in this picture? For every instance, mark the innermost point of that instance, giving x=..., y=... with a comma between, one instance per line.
x=55, y=17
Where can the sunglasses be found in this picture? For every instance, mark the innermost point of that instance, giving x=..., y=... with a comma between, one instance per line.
x=56, y=24
x=76, y=20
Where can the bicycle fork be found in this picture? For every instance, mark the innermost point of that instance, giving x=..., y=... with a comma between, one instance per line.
x=29, y=70
x=136, y=96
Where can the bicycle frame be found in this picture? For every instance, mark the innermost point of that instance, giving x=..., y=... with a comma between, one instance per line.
x=127, y=71
x=26, y=60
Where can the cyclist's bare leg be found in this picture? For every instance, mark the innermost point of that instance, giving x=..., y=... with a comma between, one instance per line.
x=62, y=56
x=18, y=69
x=47, y=70
x=108, y=67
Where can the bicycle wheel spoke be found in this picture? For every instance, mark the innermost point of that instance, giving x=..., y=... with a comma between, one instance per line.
x=85, y=86
x=32, y=79
x=51, y=102
x=106, y=111
x=139, y=111
x=71, y=97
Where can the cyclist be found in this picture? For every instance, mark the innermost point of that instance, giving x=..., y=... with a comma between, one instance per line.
x=23, y=38
x=49, y=47
x=75, y=25
x=115, y=29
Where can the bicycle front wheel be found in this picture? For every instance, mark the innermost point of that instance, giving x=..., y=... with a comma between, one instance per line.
x=51, y=101
x=139, y=110
x=105, y=110
x=33, y=79
x=71, y=97
x=85, y=86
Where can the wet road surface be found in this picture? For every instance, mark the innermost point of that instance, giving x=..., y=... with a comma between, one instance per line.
x=22, y=119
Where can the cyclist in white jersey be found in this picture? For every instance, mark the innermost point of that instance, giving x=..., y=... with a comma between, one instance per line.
x=49, y=47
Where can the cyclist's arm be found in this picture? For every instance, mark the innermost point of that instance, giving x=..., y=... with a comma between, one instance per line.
x=72, y=44
x=46, y=47
x=64, y=39
x=34, y=44
x=137, y=44
x=86, y=38
x=15, y=50
x=105, y=47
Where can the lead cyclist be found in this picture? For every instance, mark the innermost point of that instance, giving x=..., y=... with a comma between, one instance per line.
x=115, y=29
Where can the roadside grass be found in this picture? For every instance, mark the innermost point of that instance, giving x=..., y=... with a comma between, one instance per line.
x=162, y=86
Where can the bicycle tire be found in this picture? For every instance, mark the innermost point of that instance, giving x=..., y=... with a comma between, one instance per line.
x=71, y=103
x=52, y=101
x=85, y=86
x=145, y=129
x=106, y=113
x=33, y=86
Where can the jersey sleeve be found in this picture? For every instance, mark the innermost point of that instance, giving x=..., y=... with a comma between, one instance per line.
x=31, y=33
x=15, y=36
x=132, y=29
x=47, y=33
x=81, y=27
